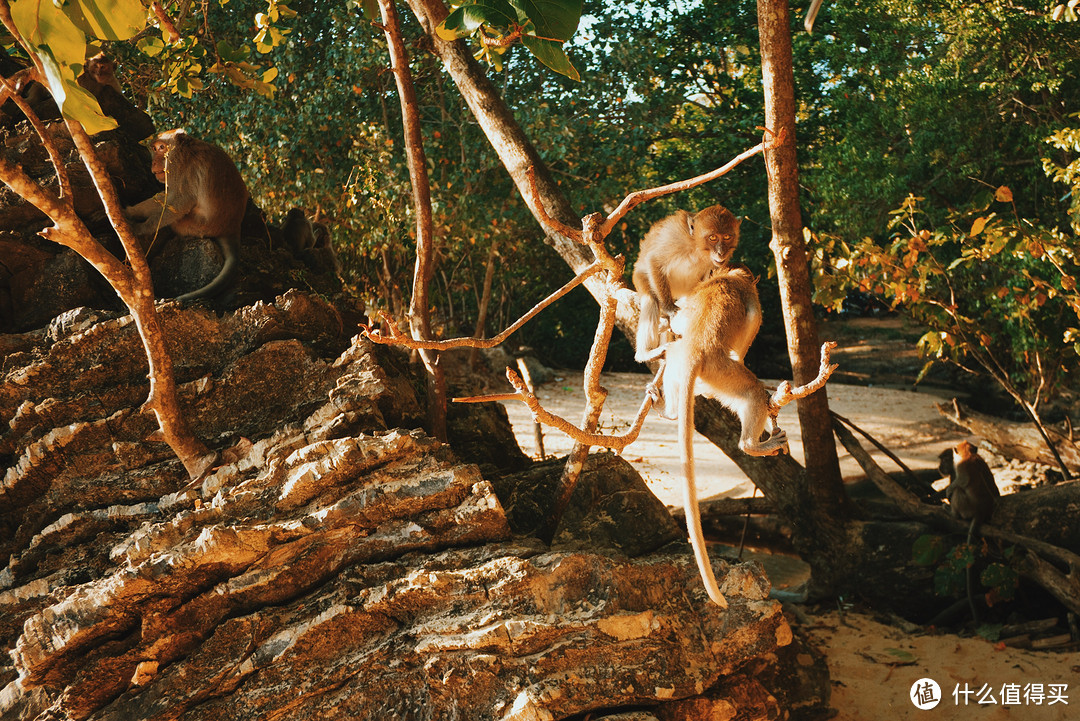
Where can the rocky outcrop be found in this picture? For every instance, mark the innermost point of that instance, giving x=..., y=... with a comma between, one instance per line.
x=338, y=563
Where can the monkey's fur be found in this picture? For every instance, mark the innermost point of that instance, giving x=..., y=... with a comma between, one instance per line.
x=717, y=323
x=972, y=492
x=205, y=196
x=676, y=254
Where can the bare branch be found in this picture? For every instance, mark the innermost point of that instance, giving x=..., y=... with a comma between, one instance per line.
x=615, y=443
x=640, y=196
x=785, y=393
x=571, y=233
x=165, y=21
x=396, y=337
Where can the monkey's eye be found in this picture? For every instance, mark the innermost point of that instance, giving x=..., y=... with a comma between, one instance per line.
x=712, y=238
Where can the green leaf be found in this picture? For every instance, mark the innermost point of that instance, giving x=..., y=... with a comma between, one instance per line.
x=233, y=54
x=75, y=101
x=467, y=19
x=928, y=550
x=904, y=656
x=108, y=19
x=551, y=54
x=150, y=46
x=371, y=10
x=554, y=19
x=44, y=25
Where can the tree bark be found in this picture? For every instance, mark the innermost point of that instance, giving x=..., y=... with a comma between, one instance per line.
x=419, y=306
x=789, y=249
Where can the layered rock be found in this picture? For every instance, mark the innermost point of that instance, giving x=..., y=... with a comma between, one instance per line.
x=338, y=563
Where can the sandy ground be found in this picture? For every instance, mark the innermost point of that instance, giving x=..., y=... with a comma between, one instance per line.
x=873, y=666
x=906, y=422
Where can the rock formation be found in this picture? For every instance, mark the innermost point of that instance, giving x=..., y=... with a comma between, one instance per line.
x=338, y=563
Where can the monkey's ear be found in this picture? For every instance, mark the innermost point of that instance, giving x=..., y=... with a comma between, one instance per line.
x=690, y=223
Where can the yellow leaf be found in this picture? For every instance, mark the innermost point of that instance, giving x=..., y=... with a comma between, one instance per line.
x=977, y=226
x=1003, y=194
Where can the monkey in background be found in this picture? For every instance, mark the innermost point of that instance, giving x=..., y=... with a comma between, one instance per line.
x=204, y=196
x=972, y=492
x=99, y=71
x=311, y=241
x=676, y=255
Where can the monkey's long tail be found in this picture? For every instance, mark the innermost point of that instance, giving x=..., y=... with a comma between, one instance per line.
x=648, y=329
x=690, y=502
x=225, y=276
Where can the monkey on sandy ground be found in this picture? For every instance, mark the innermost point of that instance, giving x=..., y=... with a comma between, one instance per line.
x=205, y=196
x=676, y=255
x=716, y=324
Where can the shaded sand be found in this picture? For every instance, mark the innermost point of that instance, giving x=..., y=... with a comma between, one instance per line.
x=873, y=667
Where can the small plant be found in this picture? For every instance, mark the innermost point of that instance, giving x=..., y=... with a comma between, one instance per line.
x=953, y=562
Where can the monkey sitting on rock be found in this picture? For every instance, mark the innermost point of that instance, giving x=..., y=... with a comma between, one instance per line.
x=205, y=196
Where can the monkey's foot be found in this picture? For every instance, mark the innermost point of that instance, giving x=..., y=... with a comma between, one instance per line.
x=771, y=446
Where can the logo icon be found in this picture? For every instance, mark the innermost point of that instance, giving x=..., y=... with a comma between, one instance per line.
x=925, y=694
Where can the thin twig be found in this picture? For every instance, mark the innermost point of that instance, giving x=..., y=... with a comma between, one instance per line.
x=615, y=443
x=396, y=337
x=640, y=196
x=877, y=444
x=39, y=127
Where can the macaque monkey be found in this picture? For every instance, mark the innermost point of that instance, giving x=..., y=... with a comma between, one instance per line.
x=204, y=196
x=298, y=232
x=311, y=241
x=972, y=492
x=676, y=255
x=99, y=71
x=716, y=324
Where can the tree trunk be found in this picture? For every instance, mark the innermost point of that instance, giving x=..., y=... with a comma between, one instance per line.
x=819, y=447
x=419, y=306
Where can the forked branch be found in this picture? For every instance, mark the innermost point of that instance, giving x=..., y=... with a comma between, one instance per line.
x=616, y=443
x=785, y=393
x=396, y=337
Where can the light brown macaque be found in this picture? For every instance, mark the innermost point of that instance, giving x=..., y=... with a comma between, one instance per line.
x=716, y=323
x=972, y=492
x=676, y=255
x=204, y=196
x=99, y=71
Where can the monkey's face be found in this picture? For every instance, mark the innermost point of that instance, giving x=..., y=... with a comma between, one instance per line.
x=160, y=149
x=721, y=242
